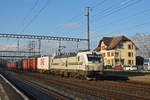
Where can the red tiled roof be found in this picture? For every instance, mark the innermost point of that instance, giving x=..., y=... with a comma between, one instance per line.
x=111, y=42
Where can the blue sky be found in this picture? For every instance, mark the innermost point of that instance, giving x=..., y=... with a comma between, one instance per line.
x=66, y=17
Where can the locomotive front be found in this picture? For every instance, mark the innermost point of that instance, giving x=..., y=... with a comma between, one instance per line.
x=94, y=64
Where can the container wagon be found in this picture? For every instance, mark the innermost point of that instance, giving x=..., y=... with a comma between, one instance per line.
x=43, y=64
x=25, y=64
x=33, y=64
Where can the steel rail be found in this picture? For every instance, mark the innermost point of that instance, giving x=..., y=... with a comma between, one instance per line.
x=40, y=88
x=96, y=91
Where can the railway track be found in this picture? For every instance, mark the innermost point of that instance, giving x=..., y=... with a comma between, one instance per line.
x=122, y=85
x=52, y=94
x=95, y=91
x=84, y=87
x=43, y=89
x=109, y=94
x=129, y=86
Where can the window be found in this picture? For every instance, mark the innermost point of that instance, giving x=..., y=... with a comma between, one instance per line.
x=78, y=58
x=129, y=62
x=112, y=54
x=132, y=46
x=146, y=60
x=103, y=47
x=94, y=57
x=117, y=61
x=108, y=54
x=122, y=61
x=103, y=54
x=117, y=54
x=129, y=46
x=108, y=62
x=120, y=45
x=132, y=54
x=112, y=62
x=129, y=54
x=132, y=62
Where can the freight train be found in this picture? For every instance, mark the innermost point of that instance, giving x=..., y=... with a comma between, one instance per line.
x=82, y=64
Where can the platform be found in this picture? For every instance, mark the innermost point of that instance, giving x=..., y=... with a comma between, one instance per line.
x=7, y=92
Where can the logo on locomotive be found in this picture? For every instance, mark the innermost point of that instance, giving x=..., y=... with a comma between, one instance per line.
x=42, y=62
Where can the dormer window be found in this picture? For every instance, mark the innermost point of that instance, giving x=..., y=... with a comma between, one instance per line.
x=120, y=45
x=103, y=47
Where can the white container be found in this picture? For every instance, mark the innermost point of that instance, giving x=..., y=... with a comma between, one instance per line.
x=43, y=63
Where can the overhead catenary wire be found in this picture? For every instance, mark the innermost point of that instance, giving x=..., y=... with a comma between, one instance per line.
x=122, y=8
x=107, y=10
x=131, y=27
x=92, y=7
x=35, y=16
x=80, y=15
x=126, y=5
x=119, y=10
x=98, y=4
x=30, y=12
x=125, y=18
x=137, y=25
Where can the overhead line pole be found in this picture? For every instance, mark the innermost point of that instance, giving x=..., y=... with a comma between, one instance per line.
x=39, y=47
x=88, y=26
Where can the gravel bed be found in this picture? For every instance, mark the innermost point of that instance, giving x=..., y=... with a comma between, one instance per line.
x=63, y=90
x=82, y=96
x=138, y=93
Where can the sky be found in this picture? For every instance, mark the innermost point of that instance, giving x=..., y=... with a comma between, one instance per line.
x=66, y=18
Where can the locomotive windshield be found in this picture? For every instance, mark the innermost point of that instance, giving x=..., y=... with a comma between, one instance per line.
x=94, y=57
x=146, y=60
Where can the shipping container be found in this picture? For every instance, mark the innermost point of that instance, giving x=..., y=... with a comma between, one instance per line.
x=33, y=63
x=43, y=63
x=11, y=65
x=19, y=64
x=25, y=64
x=14, y=65
x=28, y=65
x=8, y=65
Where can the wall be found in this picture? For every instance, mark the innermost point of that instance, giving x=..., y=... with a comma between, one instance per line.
x=120, y=55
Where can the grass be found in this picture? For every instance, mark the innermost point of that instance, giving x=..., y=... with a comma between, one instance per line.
x=137, y=79
x=147, y=75
x=118, y=70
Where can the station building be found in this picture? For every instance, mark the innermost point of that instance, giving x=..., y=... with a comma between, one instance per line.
x=118, y=50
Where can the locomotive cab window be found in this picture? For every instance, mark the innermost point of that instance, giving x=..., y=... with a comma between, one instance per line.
x=78, y=58
x=94, y=57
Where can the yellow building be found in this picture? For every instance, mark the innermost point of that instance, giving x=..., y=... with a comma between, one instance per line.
x=117, y=51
